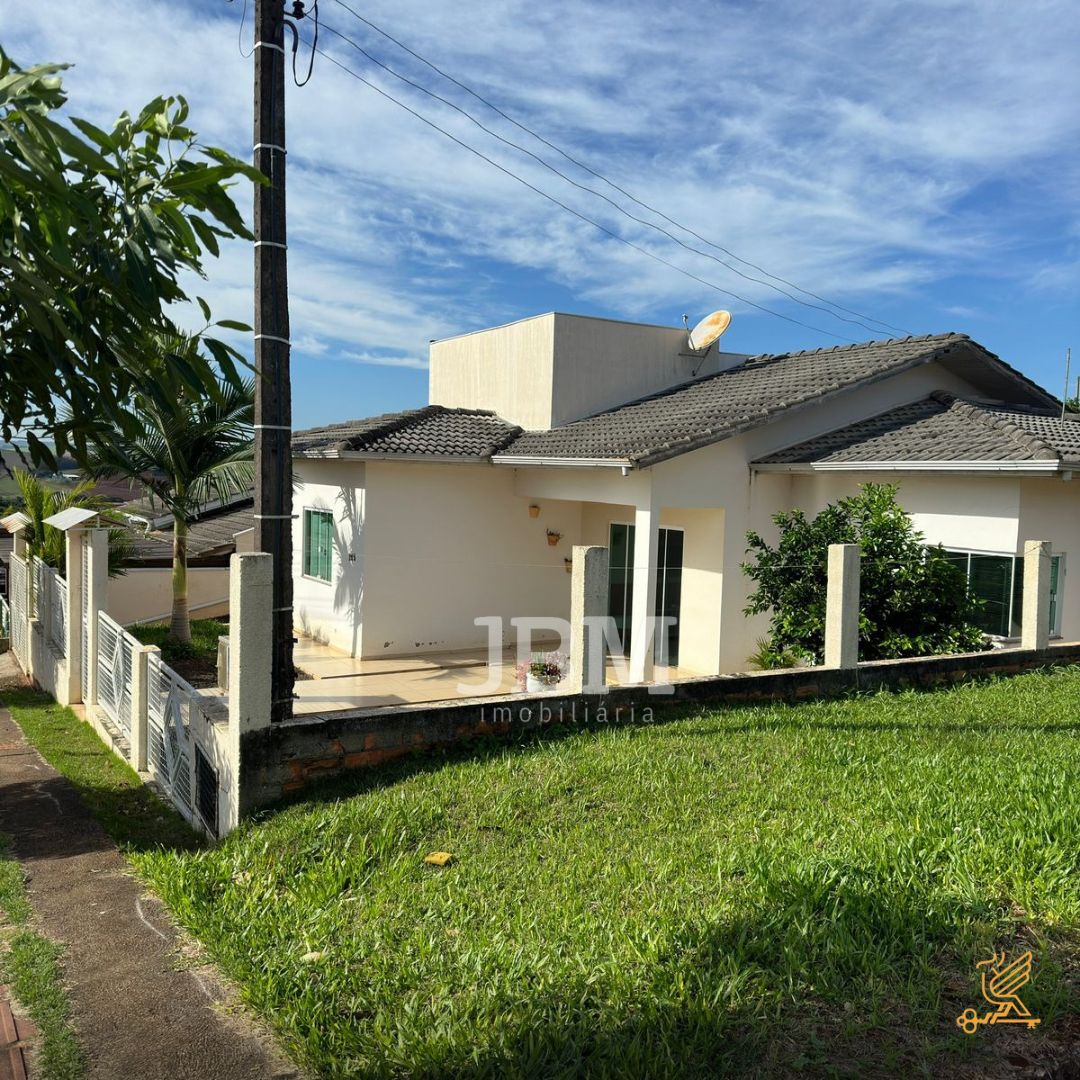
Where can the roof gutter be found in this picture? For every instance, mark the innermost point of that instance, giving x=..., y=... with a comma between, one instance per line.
x=1032, y=467
x=530, y=461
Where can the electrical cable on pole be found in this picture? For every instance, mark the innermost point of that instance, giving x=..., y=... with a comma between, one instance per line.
x=273, y=393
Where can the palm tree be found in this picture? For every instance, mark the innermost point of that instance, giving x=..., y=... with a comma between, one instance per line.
x=46, y=543
x=187, y=452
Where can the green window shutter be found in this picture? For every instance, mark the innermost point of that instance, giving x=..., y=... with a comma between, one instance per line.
x=318, y=544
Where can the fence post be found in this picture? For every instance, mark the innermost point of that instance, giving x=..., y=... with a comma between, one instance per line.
x=1035, y=618
x=140, y=704
x=588, y=604
x=73, y=627
x=842, y=607
x=250, y=658
x=96, y=584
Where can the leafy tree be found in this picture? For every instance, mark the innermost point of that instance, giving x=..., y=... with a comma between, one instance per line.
x=96, y=228
x=913, y=600
x=185, y=452
x=46, y=543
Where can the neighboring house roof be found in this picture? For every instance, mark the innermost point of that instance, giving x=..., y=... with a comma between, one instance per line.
x=674, y=421
x=432, y=431
x=942, y=428
x=210, y=537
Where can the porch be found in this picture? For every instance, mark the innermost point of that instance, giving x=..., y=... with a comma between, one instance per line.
x=337, y=682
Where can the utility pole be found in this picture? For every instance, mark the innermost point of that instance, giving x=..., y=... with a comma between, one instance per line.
x=273, y=391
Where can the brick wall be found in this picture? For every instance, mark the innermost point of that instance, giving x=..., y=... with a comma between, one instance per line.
x=280, y=760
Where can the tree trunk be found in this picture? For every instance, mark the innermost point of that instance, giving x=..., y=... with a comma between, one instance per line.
x=180, y=627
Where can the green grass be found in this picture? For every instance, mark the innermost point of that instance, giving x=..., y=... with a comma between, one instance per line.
x=203, y=644
x=774, y=889
x=130, y=812
x=30, y=964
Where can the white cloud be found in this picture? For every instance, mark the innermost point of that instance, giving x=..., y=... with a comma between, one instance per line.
x=844, y=146
x=413, y=362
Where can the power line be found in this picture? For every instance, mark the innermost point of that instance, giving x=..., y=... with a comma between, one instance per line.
x=600, y=176
x=592, y=191
x=570, y=210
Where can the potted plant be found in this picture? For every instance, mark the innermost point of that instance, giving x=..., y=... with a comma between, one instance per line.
x=542, y=673
x=553, y=537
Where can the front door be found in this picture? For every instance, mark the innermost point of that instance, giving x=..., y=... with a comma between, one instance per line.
x=669, y=558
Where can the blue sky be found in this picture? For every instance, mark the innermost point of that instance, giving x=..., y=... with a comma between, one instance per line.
x=917, y=162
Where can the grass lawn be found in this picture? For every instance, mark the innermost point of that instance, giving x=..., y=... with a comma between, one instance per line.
x=128, y=810
x=30, y=964
x=781, y=890
x=195, y=661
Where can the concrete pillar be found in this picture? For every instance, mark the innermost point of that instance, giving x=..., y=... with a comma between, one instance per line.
x=250, y=640
x=251, y=602
x=646, y=543
x=96, y=586
x=140, y=704
x=73, y=631
x=223, y=662
x=842, y=607
x=1035, y=618
x=588, y=606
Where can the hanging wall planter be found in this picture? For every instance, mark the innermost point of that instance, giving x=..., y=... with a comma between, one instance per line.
x=553, y=537
x=534, y=510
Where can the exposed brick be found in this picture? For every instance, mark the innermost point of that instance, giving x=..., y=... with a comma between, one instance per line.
x=26, y=1028
x=8, y=1034
x=11, y=1064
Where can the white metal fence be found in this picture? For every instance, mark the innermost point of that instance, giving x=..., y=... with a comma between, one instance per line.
x=18, y=595
x=116, y=649
x=180, y=752
x=143, y=709
x=58, y=612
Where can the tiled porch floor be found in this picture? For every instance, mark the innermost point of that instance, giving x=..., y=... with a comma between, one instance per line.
x=343, y=682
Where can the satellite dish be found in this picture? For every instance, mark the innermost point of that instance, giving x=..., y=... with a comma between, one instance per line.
x=709, y=329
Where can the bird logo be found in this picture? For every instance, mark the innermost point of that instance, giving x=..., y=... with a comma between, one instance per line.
x=1000, y=983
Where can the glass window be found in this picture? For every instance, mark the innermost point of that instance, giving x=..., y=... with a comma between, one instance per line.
x=998, y=581
x=318, y=543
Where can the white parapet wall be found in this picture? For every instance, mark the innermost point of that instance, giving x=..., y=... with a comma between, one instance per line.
x=144, y=594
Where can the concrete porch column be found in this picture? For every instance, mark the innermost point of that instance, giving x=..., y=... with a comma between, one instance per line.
x=646, y=543
x=588, y=605
x=1035, y=618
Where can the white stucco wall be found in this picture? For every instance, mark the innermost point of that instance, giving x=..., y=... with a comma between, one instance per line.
x=331, y=611
x=554, y=368
x=145, y=594
x=445, y=544
x=1050, y=510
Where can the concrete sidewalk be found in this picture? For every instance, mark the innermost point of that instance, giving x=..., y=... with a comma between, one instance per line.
x=137, y=1015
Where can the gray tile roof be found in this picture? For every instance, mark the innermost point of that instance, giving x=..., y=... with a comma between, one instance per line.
x=433, y=431
x=676, y=420
x=752, y=393
x=212, y=536
x=943, y=427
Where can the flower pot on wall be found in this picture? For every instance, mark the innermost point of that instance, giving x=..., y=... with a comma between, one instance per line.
x=553, y=537
x=536, y=685
x=534, y=510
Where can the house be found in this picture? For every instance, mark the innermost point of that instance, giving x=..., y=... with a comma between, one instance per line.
x=561, y=430
x=143, y=593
